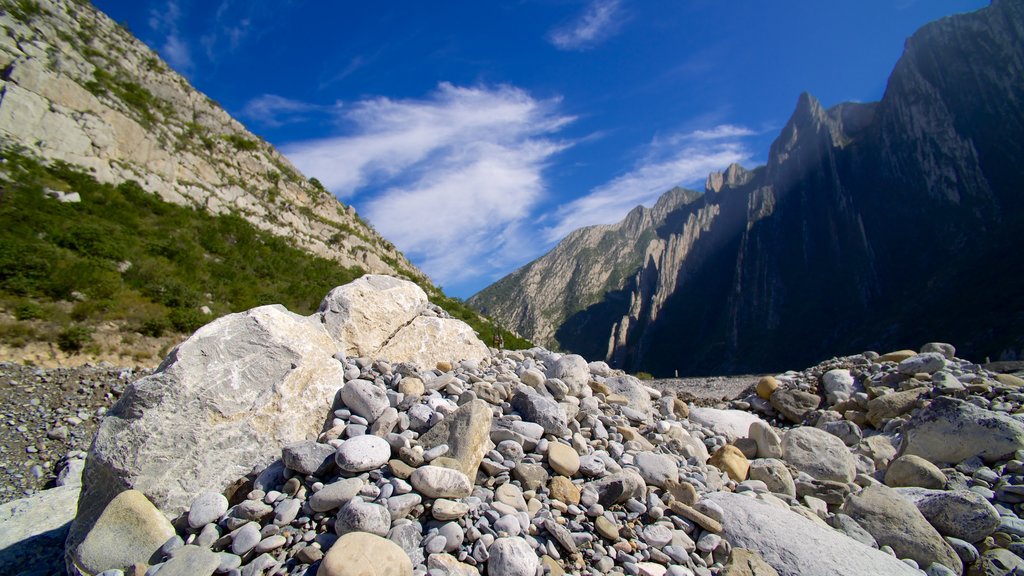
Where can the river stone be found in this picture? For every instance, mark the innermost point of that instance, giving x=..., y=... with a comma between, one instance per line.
x=562, y=489
x=838, y=385
x=997, y=562
x=794, y=404
x=733, y=424
x=540, y=410
x=769, y=444
x=956, y=513
x=774, y=474
x=467, y=434
x=191, y=561
x=571, y=369
x=730, y=459
x=926, y=362
x=362, y=454
x=895, y=522
x=910, y=470
x=359, y=516
x=892, y=405
x=335, y=494
x=223, y=403
x=365, y=399
x=951, y=431
x=511, y=557
x=366, y=313
x=438, y=482
x=766, y=386
x=743, y=562
x=206, y=508
x=363, y=554
x=633, y=390
x=656, y=469
x=819, y=454
x=796, y=546
x=563, y=459
x=617, y=488
x=128, y=530
x=307, y=457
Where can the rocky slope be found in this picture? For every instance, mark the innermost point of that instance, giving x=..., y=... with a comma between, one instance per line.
x=78, y=88
x=892, y=221
x=448, y=458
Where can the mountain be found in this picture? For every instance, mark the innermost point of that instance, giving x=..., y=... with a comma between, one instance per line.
x=79, y=88
x=872, y=225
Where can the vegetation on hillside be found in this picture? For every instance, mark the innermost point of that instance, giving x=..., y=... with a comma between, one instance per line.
x=123, y=255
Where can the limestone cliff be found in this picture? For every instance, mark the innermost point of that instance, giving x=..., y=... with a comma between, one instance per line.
x=78, y=88
x=871, y=226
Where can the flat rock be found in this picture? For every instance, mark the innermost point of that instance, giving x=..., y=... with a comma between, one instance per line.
x=563, y=459
x=363, y=554
x=796, y=546
x=951, y=431
x=362, y=454
x=895, y=522
x=743, y=562
x=335, y=494
x=307, y=457
x=466, y=432
x=33, y=529
x=794, y=404
x=819, y=454
x=128, y=530
x=733, y=424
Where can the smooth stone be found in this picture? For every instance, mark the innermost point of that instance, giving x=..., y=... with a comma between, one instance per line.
x=363, y=554
x=769, y=443
x=892, y=405
x=335, y=494
x=766, y=386
x=563, y=490
x=246, y=538
x=895, y=522
x=438, y=482
x=656, y=469
x=563, y=459
x=730, y=459
x=191, y=561
x=794, y=405
x=362, y=454
x=733, y=424
x=359, y=516
x=960, y=514
x=511, y=557
x=540, y=410
x=129, y=530
x=951, y=431
x=307, y=457
x=618, y=488
x=911, y=470
x=775, y=475
x=446, y=510
x=838, y=385
x=819, y=454
x=206, y=508
x=926, y=363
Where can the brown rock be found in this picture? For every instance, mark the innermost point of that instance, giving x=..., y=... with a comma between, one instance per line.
x=563, y=490
x=896, y=356
x=766, y=386
x=467, y=434
x=730, y=459
x=794, y=404
x=365, y=554
x=743, y=562
x=702, y=520
x=911, y=470
x=682, y=491
x=892, y=405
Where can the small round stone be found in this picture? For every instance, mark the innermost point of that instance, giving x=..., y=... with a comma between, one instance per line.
x=206, y=508
x=362, y=454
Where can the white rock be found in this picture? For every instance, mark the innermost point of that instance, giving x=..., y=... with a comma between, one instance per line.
x=511, y=557
x=733, y=424
x=362, y=454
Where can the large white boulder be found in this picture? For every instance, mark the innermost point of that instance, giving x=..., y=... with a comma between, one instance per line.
x=733, y=424
x=366, y=313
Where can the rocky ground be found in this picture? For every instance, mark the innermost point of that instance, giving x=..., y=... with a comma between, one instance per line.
x=48, y=415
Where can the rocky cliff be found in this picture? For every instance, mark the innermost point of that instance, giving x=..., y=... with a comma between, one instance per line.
x=78, y=88
x=870, y=224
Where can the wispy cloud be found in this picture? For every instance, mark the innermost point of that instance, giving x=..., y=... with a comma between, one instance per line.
x=675, y=160
x=172, y=46
x=275, y=111
x=600, y=21
x=449, y=178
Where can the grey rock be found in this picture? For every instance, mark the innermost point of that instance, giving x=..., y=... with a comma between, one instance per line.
x=794, y=404
x=540, y=410
x=951, y=431
x=958, y=514
x=511, y=557
x=774, y=474
x=656, y=469
x=308, y=457
x=335, y=494
x=819, y=454
x=191, y=561
x=359, y=516
x=926, y=362
x=365, y=399
x=206, y=508
x=437, y=482
x=362, y=453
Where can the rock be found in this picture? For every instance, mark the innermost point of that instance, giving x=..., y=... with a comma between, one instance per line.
x=33, y=529
x=359, y=516
x=743, y=562
x=701, y=519
x=838, y=384
x=633, y=390
x=366, y=313
x=362, y=454
x=910, y=470
x=129, y=529
x=540, y=410
x=365, y=399
x=571, y=369
x=892, y=405
x=951, y=431
x=206, y=508
x=948, y=351
x=531, y=476
x=879, y=449
x=896, y=356
x=960, y=514
x=191, y=561
x=617, y=488
x=766, y=386
x=926, y=362
x=246, y=538
x=733, y=424
x=362, y=554
x=656, y=469
x=308, y=457
x=427, y=341
x=1010, y=380
x=730, y=459
x=562, y=489
x=335, y=494
x=511, y=557
x=796, y=546
x=437, y=482
x=997, y=562
x=769, y=444
x=819, y=454
x=774, y=474
x=895, y=522
x=606, y=528
x=447, y=510
x=411, y=386
x=794, y=404
x=563, y=459
x=201, y=422
x=467, y=434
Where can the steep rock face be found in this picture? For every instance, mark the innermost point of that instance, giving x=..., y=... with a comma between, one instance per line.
x=871, y=226
x=78, y=88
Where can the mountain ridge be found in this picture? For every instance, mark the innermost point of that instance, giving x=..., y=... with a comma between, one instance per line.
x=879, y=213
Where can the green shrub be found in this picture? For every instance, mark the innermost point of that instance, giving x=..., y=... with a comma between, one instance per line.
x=73, y=338
x=241, y=143
x=29, y=311
x=187, y=319
x=155, y=327
x=644, y=376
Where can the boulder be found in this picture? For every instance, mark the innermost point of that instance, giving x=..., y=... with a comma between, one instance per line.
x=956, y=513
x=925, y=362
x=540, y=410
x=733, y=424
x=794, y=404
x=633, y=390
x=951, y=431
x=571, y=369
x=774, y=474
x=730, y=459
x=769, y=444
x=910, y=470
x=657, y=469
x=743, y=562
x=33, y=529
x=895, y=522
x=428, y=340
x=892, y=405
x=819, y=454
x=467, y=434
x=129, y=529
x=364, y=554
x=796, y=546
x=838, y=384
x=222, y=404
x=366, y=313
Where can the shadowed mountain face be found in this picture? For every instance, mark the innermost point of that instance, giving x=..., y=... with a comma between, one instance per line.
x=872, y=226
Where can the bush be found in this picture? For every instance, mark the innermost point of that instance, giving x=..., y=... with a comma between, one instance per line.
x=29, y=311
x=73, y=338
x=644, y=376
x=187, y=319
x=155, y=327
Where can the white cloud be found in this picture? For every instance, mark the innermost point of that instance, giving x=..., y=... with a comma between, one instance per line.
x=172, y=46
x=274, y=111
x=601, y=20
x=677, y=160
x=450, y=178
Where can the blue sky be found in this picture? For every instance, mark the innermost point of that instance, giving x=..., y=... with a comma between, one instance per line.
x=476, y=134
